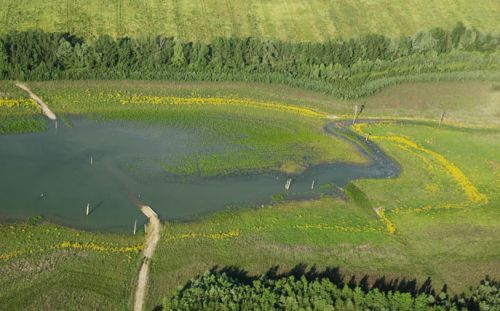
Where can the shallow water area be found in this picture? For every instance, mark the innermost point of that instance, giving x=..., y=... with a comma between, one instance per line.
x=57, y=173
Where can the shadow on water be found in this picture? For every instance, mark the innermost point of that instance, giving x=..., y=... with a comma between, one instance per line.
x=94, y=207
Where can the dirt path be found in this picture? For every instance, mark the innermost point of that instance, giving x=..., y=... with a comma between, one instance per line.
x=46, y=110
x=152, y=238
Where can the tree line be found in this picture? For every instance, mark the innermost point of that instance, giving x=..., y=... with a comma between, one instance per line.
x=218, y=291
x=338, y=66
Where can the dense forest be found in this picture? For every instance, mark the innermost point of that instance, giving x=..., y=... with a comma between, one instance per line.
x=218, y=291
x=346, y=68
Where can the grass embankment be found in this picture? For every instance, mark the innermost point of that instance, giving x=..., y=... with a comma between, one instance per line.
x=18, y=113
x=262, y=134
x=295, y=20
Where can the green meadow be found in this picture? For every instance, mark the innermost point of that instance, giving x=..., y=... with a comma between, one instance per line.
x=439, y=232
x=252, y=88
x=295, y=20
x=17, y=112
x=423, y=224
x=48, y=267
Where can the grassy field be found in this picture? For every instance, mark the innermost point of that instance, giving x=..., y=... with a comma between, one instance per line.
x=455, y=233
x=17, y=112
x=296, y=20
x=47, y=267
x=470, y=103
x=439, y=232
x=439, y=219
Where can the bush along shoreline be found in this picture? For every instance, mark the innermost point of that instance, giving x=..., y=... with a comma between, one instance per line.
x=346, y=68
x=217, y=290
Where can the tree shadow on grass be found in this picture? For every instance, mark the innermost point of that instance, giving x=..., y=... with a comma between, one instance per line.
x=333, y=274
x=337, y=277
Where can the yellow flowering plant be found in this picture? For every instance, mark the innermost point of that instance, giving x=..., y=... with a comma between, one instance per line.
x=217, y=101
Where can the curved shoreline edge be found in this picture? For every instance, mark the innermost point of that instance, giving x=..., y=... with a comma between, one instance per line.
x=45, y=108
x=372, y=151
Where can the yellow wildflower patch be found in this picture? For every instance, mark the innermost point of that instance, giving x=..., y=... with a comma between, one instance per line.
x=432, y=188
x=87, y=246
x=470, y=190
x=10, y=255
x=219, y=101
x=355, y=229
x=19, y=102
x=360, y=128
x=214, y=236
x=100, y=248
x=423, y=209
x=391, y=227
x=440, y=206
x=472, y=193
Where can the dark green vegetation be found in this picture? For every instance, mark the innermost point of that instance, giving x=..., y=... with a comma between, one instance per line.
x=17, y=112
x=218, y=291
x=345, y=68
x=294, y=20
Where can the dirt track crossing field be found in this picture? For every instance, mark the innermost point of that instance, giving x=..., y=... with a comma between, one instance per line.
x=152, y=239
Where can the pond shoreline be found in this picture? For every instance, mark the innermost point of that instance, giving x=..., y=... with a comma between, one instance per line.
x=45, y=108
x=253, y=189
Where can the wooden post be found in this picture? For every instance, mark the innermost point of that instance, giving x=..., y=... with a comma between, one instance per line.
x=355, y=114
x=361, y=109
x=88, y=209
x=135, y=226
x=312, y=185
x=56, y=123
x=442, y=117
x=145, y=228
